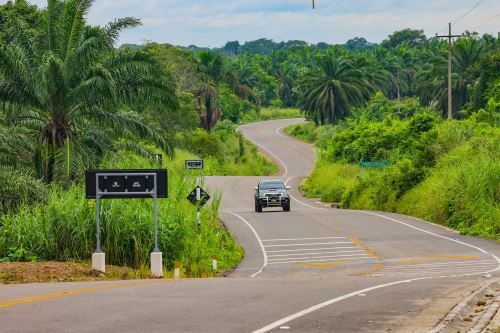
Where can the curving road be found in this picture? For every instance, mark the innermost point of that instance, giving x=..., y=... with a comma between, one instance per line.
x=314, y=269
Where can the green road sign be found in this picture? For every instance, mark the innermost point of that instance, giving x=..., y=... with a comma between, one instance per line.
x=364, y=165
x=373, y=164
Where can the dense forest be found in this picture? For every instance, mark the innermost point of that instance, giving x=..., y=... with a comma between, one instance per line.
x=71, y=99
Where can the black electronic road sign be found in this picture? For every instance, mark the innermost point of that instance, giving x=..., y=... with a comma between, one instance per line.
x=139, y=183
x=195, y=164
x=198, y=196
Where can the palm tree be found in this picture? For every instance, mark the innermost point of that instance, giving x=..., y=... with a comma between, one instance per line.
x=332, y=87
x=212, y=69
x=286, y=84
x=243, y=78
x=432, y=80
x=215, y=71
x=71, y=90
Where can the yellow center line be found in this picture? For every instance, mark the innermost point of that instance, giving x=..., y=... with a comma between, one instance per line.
x=324, y=264
x=373, y=253
x=437, y=258
x=37, y=298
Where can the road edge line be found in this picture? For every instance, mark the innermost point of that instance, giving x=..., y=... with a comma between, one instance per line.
x=267, y=150
x=258, y=240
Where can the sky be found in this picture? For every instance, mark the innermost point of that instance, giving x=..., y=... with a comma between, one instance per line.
x=214, y=22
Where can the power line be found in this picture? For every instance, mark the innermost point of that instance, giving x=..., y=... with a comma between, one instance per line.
x=468, y=12
x=487, y=21
x=464, y=15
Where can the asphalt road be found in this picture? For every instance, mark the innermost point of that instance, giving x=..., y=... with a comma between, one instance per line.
x=314, y=269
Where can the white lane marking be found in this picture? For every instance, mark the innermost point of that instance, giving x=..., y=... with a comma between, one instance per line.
x=341, y=298
x=347, y=255
x=302, y=313
x=438, y=270
x=304, y=204
x=338, y=299
x=306, y=244
x=441, y=264
x=278, y=130
x=426, y=231
x=312, y=253
x=270, y=152
x=333, y=259
x=410, y=269
x=258, y=239
x=300, y=202
x=284, y=166
x=319, y=248
x=290, y=239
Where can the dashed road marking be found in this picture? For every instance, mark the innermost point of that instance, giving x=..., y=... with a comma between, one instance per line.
x=325, y=264
x=437, y=257
x=313, y=250
x=289, y=239
x=305, y=244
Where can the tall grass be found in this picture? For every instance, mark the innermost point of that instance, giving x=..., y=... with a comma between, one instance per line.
x=227, y=153
x=280, y=113
x=329, y=181
x=64, y=228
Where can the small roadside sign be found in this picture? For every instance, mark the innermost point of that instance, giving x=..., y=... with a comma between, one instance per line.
x=198, y=196
x=373, y=164
x=195, y=164
x=364, y=165
x=159, y=158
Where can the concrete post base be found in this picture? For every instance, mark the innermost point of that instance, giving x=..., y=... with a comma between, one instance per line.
x=156, y=264
x=99, y=262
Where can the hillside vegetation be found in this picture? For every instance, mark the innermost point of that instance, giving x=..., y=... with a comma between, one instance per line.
x=447, y=172
x=71, y=100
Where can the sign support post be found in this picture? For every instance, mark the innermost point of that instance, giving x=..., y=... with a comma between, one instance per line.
x=198, y=208
x=98, y=257
x=156, y=255
x=198, y=197
x=126, y=184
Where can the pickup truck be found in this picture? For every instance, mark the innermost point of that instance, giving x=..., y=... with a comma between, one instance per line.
x=272, y=193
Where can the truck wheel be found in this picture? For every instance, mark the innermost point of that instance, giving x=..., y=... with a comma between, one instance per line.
x=258, y=207
x=286, y=208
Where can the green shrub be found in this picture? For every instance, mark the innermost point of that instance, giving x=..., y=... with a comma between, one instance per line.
x=18, y=187
x=463, y=190
x=64, y=227
x=339, y=177
x=443, y=172
x=279, y=113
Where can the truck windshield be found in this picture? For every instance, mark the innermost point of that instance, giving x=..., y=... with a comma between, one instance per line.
x=272, y=186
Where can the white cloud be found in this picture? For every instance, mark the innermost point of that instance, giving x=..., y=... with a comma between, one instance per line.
x=213, y=22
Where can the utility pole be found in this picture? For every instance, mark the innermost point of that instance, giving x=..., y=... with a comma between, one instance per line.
x=313, y=4
x=449, y=36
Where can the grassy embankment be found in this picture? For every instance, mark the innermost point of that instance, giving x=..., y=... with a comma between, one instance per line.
x=446, y=172
x=62, y=227
x=279, y=113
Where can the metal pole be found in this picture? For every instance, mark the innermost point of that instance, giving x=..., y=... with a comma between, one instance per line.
x=97, y=216
x=198, y=213
x=450, y=110
x=156, y=217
